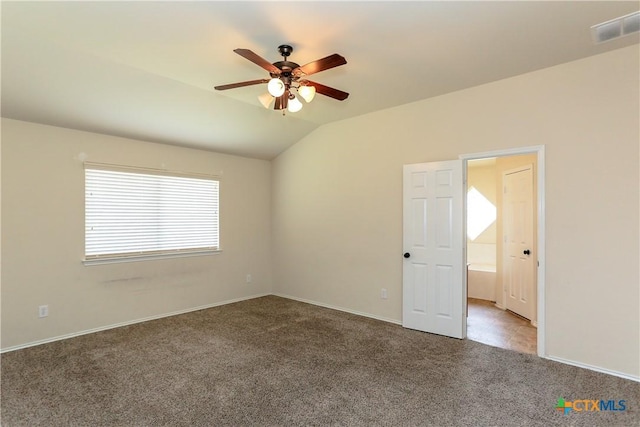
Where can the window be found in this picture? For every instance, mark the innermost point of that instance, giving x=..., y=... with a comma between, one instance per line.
x=481, y=213
x=133, y=214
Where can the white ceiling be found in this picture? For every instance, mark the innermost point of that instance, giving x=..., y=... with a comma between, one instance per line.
x=146, y=70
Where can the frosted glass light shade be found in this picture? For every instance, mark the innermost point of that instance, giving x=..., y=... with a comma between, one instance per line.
x=307, y=92
x=294, y=105
x=266, y=99
x=275, y=87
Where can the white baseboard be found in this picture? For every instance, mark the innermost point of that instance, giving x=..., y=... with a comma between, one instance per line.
x=594, y=368
x=346, y=310
x=333, y=307
x=555, y=359
x=130, y=322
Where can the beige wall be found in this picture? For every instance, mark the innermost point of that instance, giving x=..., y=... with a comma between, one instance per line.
x=337, y=216
x=43, y=236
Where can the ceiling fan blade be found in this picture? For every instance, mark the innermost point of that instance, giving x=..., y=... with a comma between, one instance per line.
x=326, y=90
x=326, y=63
x=240, y=84
x=258, y=60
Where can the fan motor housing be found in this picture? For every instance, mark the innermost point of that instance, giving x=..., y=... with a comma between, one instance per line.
x=285, y=66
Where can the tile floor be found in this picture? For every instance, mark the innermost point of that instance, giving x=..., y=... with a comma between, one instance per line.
x=500, y=328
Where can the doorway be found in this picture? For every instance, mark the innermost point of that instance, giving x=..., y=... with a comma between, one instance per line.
x=435, y=247
x=501, y=251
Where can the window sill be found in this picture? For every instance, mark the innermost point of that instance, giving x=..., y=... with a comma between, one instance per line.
x=148, y=257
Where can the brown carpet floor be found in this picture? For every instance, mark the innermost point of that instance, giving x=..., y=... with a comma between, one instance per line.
x=276, y=362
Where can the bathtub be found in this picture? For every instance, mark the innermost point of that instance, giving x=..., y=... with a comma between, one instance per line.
x=481, y=271
x=482, y=281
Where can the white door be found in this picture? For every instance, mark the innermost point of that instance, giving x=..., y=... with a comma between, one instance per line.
x=519, y=258
x=434, y=280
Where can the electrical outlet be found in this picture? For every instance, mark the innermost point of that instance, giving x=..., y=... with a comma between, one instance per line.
x=43, y=311
x=249, y=278
x=383, y=293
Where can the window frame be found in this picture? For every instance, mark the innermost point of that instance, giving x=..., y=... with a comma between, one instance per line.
x=152, y=254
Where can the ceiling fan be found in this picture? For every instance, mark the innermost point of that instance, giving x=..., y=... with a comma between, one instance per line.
x=288, y=78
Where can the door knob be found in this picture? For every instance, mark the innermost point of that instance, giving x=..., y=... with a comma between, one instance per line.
x=527, y=252
x=407, y=254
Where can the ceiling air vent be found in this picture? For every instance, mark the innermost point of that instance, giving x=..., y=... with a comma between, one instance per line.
x=615, y=28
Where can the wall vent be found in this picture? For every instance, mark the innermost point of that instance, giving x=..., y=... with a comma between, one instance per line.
x=616, y=28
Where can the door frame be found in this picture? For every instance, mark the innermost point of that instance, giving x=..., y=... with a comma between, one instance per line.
x=538, y=150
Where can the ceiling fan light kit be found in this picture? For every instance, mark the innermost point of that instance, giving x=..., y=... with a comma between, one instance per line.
x=287, y=77
x=294, y=105
x=266, y=99
x=275, y=87
x=307, y=93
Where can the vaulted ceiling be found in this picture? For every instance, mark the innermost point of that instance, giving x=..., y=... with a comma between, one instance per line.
x=146, y=70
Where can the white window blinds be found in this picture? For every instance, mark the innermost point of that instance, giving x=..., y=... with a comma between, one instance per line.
x=130, y=213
